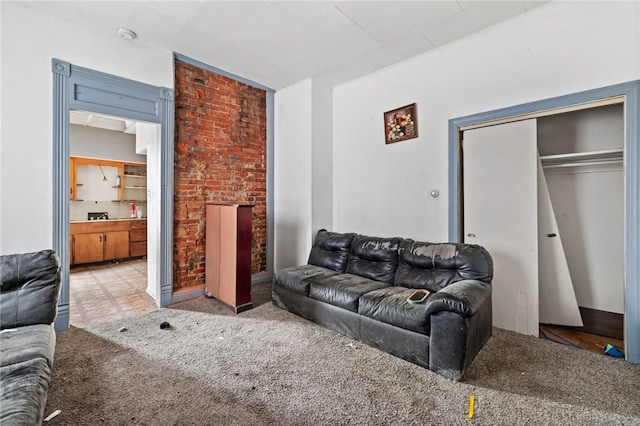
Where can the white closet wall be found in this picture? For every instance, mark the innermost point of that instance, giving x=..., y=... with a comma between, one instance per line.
x=589, y=201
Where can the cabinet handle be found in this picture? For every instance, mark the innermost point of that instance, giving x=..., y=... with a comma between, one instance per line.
x=100, y=238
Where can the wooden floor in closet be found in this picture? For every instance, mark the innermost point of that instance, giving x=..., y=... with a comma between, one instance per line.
x=587, y=341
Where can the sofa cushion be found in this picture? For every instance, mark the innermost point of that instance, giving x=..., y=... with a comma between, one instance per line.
x=434, y=266
x=297, y=278
x=331, y=250
x=389, y=305
x=343, y=290
x=375, y=258
x=30, y=287
x=28, y=342
x=24, y=392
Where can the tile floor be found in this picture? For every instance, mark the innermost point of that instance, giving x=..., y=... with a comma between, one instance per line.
x=102, y=293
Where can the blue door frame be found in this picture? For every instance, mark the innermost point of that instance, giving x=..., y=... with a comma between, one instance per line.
x=631, y=93
x=83, y=89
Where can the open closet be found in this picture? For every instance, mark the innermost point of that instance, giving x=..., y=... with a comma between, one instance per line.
x=582, y=157
x=545, y=196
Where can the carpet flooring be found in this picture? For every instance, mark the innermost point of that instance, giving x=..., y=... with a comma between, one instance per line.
x=267, y=366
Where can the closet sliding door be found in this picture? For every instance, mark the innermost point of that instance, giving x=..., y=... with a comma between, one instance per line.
x=500, y=214
x=558, y=303
x=508, y=210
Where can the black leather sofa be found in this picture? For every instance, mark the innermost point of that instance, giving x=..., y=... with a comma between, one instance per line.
x=29, y=289
x=358, y=286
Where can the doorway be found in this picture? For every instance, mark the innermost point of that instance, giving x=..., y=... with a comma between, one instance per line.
x=108, y=277
x=77, y=88
x=629, y=94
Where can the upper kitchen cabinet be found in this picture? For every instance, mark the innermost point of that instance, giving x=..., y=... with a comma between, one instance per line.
x=134, y=181
x=94, y=179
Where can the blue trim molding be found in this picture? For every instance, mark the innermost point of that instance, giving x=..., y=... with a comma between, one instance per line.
x=61, y=72
x=80, y=88
x=631, y=93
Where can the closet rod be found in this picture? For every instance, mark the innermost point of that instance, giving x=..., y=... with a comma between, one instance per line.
x=583, y=163
x=588, y=155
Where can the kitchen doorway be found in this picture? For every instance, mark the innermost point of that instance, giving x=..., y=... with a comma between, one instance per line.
x=79, y=88
x=108, y=277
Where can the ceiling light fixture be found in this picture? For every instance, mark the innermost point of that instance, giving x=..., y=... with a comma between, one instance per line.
x=126, y=33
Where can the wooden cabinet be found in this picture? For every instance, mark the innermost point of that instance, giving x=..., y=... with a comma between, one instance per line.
x=116, y=245
x=138, y=238
x=99, y=241
x=96, y=180
x=93, y=179
x=228, y=255
x=87, y=248
x=134, y=182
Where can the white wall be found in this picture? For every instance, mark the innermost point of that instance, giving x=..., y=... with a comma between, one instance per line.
x=101, y=143
x=556, y=49
x=30, y=39
x=322, y=161
x=292, y=174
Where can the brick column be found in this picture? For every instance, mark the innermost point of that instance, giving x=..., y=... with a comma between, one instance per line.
x=221, y=157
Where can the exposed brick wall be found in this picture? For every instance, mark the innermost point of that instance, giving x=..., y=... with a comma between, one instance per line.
x=221, y=157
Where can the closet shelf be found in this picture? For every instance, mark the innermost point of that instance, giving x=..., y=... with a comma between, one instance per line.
x=590, y=158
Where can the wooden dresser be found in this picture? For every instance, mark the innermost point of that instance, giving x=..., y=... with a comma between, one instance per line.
x=228, y=255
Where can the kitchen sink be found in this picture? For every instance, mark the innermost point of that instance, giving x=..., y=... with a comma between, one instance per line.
x=98, y=216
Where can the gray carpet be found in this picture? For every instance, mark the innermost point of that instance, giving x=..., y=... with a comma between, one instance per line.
x=268, y=366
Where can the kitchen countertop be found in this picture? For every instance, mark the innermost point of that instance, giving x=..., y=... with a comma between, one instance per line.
x=106, y=220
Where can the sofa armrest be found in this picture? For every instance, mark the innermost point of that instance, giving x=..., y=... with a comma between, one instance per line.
x=461, y=318
x=29, y=288
x=463, y=298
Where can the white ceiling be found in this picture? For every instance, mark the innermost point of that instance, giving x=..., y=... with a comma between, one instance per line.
x=102, y=121
x=278, y=43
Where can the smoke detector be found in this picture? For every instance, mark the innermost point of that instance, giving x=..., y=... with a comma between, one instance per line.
x=126, y=33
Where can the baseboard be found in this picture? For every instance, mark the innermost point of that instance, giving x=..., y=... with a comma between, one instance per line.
x=193, y=292
x=186, y=294
x=262, y=277
x=602, y=323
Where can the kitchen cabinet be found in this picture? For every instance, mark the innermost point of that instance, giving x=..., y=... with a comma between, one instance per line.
x=93, y=179
x=88, y=248
x=99, y=246
x=134, y=182
x=99, y=241
x=138, y=238
x=116, y=245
